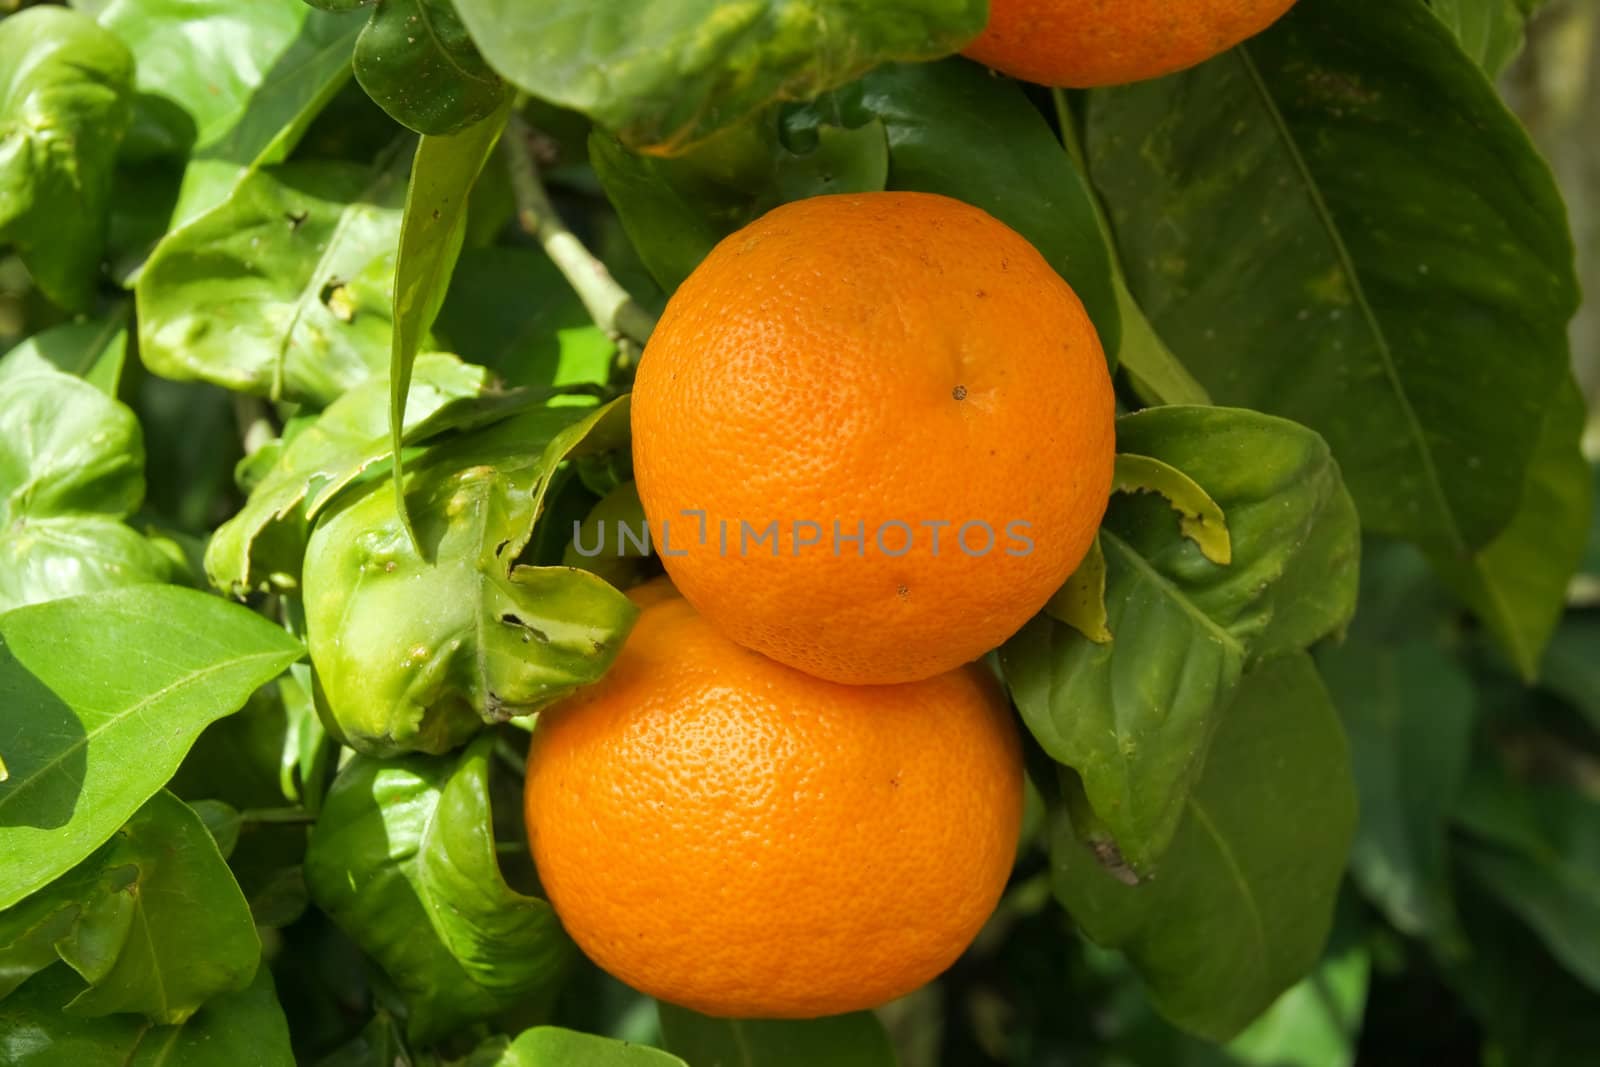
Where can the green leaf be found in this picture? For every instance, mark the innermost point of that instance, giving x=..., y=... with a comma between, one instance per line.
x=285, y=289
x=1517, y=584
x=956, y=129
x=1081, y=603
x=1246, y=893
x=1535, y=846
x=64, y=106
x=93, y=351
x=1332, y=221
x=857, y=1040
x=379, y=1044
x=1408, y=709
x=435, y=220
x=71, y=467
x=675, y=210
x=235, y=1028
x=510, y=310
x=1571, y=668
x=1491, y=31
x=417, y=62
x=1317, y=1023
x=226, y=85
x=261, y=545
x=551, y=1046
x=403, y=859
x=1134, y=717
x=153, y=922
x=104, y=694
x=416, y=652
x=666, y=75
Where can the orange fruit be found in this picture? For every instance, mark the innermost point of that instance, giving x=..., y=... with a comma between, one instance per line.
x=726, y=833
x=1080, y=44
x=873, y=434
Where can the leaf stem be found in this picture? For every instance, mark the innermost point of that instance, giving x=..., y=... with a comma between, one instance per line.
x=612, y=307
x=279, y=816
x=254, y=421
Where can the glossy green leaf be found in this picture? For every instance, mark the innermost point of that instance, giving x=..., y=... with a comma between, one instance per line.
x=1491, y=31
x=675, y=210
x=856, y=1040
x=1407, y=707
x=104, y=694
x=552, y=1046
x=417, y=62
x=416, y=653
x=228, y=86
x=1134, y=717
x=666, y=75
x=71, y=467
x=1535, y=846
x=510, y=309
x=285, y=289
x=153, y=922
x=403, y=859
x=379, y=1044
x=434, y=222
x=958, y=130
x=239, y=1029
x=64, y=106
x=1353, y=298
x=93, y=351
x=1246, y=893
x=1517, y=584
x=261, y=545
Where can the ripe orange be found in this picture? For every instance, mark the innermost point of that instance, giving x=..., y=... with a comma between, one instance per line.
x=897, y=422
x=1084, y=43
x=726, y=833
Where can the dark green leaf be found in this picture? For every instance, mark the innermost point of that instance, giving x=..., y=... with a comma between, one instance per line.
x=1317, y=1022
x=1517, y=584
x=403, y=859
x=103, y=695
x=1246, y=893
x=666, y=75
x=415, y=653
x=153, y=922
x=261, y=545
x=285, y=288
x=1537, y=849
x=956, y=129
x=416, y=60
x=1408, y=710
x=71, y=467
x=1330, y=223
x=1133, y=717
x=1572, y=666
x=551, y=1046
x=238, y=1029
x=510, y=309
x=675, y=210
x=64, y=106
x=857, y=1040
x=435, y=219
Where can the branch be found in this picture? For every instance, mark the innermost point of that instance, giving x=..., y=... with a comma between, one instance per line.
x=613, y=309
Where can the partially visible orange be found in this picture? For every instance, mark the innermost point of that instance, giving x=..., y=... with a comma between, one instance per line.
x=902, y=380
x=1085, y=43
x=726, y=833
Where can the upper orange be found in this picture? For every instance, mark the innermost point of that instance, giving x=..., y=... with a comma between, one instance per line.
x=873, y=434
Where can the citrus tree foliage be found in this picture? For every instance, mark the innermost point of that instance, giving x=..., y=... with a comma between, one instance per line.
x=317, y=322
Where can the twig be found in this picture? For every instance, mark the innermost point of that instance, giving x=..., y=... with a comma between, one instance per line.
x=613, y=309
x=282, y=816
